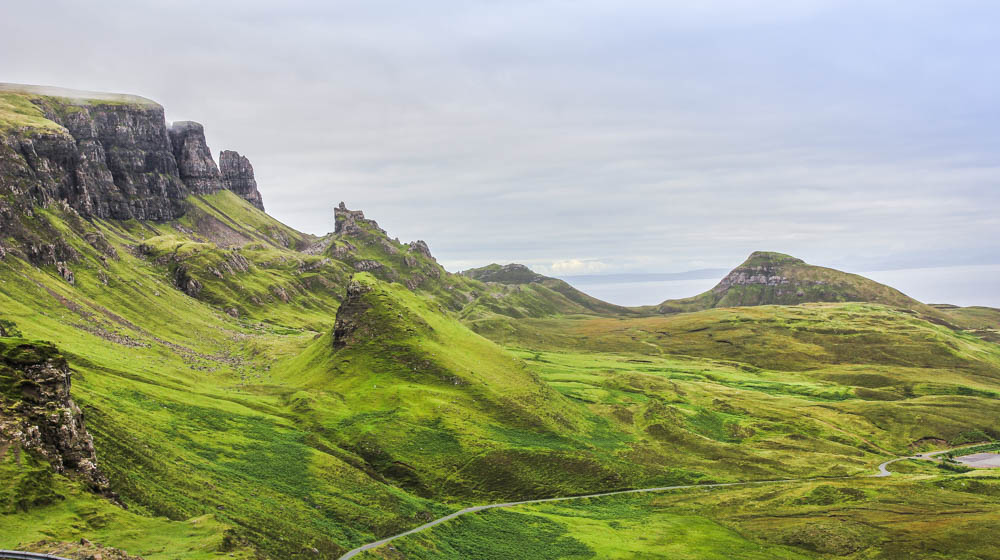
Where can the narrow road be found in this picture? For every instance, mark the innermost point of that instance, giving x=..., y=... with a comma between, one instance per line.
x=929, y=456
x=883, y=471
x=883, y=468
x=473, y=509
x=18, y=555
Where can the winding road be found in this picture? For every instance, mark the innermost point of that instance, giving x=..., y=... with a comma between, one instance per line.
x=883, y=471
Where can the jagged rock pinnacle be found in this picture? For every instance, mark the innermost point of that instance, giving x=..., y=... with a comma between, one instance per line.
x=238, y=177
x=194, y=160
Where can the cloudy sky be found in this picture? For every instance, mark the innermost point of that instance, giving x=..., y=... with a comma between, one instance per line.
x=575, y=135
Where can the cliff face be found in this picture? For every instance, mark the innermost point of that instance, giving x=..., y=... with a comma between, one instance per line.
x=107, y=156
x=110, y=160
x=37, y=413
x=237, y=176
x=195, y=165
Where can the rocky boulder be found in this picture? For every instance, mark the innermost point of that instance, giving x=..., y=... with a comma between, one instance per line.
x=349, y=315
x=420, y=247
x=37, y=413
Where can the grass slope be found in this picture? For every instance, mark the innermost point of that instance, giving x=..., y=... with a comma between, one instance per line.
x=206, y=363
x=441, y=410
x=519, y=292
x=928, y=516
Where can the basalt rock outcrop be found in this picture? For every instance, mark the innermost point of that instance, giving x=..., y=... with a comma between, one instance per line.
x=237, y=176
x=37, y=414
x=353, y=223
x=195, y=165
x=420, y=247
x=108, y=156
x=106, y=159
x=361, y=243
x=349, y=315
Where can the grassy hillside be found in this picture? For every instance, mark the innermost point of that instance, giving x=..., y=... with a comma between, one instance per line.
x=256, y=391
x=935, y=517
x=983, y=322
x=881, y=377
x=516, y=291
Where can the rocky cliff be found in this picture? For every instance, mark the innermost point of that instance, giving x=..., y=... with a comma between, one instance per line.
x=195, y=165
x=37, y=414
x=107, y=159
x=353, y=222
x=108, y=156
x=237, y=176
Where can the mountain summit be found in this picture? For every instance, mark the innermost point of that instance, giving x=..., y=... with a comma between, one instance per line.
x=768, y=278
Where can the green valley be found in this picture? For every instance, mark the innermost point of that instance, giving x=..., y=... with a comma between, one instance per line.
x=183, y=376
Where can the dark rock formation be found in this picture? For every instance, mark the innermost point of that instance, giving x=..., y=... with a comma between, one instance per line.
x=234, y=263
x=107, y=156
x=185, y=282
x=237, y=176
x=194, y=160
x=353, y=222
x=65, y=272
x=111, y=160
x=419, y=246
x=366, y=265
x=349, y=314
x=37, y=413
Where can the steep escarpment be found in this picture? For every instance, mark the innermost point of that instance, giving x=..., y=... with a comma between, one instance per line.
x=768, y=278
x=37, y=414
x=108, y=156
x=107, y=159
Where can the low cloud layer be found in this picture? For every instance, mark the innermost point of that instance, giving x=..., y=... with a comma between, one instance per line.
x=578, y=137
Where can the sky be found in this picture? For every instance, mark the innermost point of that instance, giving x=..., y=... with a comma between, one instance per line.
x=578, y=136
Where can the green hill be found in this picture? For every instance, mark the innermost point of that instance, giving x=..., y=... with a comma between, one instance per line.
x=778, y=279
x=250, y=391
x=517, y=291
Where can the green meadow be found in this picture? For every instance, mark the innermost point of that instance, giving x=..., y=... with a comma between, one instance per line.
x=233, y=421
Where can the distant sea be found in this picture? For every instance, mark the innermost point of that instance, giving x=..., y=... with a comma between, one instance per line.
x=958, y=285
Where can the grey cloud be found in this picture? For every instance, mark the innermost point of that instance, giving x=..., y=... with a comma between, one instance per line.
x=645, y=136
